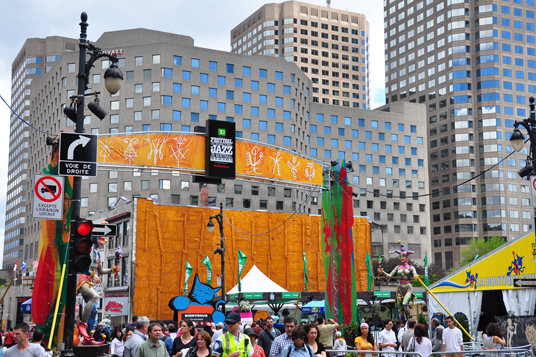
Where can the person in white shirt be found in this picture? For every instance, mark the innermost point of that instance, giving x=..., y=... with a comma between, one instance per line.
x=339, y=344
x=401, y=329
x=387, y=339
x=116, y=346
x=419, y=343
x=452, y=338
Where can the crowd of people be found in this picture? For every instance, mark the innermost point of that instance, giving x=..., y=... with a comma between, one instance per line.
x=268, y=338
x=272, y=338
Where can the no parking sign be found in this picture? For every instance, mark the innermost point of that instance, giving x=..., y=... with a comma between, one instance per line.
x=48, y=197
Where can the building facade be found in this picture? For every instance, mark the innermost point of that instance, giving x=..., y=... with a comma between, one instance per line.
x=330, y=46
x=33, y=61
x=171, y=85
x=473, y=65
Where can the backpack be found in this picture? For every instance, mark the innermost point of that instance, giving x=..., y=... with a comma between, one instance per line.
x=309, y=348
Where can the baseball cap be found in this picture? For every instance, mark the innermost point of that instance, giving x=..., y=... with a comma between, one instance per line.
x=233, y=318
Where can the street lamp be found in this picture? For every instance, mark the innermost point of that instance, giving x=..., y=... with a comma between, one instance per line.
x=113, y=78
x=518, y=140
x=221, y=249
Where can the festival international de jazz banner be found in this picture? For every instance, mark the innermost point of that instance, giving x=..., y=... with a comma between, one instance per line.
x=187, y=152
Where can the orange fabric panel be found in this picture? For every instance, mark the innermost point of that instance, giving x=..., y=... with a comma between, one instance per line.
x=187, y=152
x=167, y=236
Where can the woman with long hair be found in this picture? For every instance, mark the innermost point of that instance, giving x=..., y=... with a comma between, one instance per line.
x=493, y=337
x=364, y=340
x=313, y=338
x=117, y=347
x=185, y=340
x=202, y=346
x=419, y=343
x=129, y=330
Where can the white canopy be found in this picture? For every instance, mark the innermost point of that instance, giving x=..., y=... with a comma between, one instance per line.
x=256, y=282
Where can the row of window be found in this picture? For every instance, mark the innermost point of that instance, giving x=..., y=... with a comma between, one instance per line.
x=489, y=227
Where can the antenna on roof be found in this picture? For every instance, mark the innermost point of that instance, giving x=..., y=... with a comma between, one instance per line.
x=328, y=2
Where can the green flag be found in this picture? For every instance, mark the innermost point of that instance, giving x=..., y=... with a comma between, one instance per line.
x=477, y=256
x=370, y=275
x=426, y=282
x=305, y=270
x=206, y=262
x=187, y=277
x=241, y=262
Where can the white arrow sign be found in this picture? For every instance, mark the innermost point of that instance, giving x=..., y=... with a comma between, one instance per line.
x=82, y=141
x=104, y=230
x=524, y=283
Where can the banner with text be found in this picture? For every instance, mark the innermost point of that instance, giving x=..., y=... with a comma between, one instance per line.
x=186, y=152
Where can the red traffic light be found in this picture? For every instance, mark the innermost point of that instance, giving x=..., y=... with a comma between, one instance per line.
x=84, y=228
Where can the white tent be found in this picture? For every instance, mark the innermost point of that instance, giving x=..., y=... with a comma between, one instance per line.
x=256, y=282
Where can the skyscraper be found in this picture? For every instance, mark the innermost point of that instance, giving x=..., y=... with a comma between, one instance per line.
x=331, y=46
x=34, y=60
x=473, y=65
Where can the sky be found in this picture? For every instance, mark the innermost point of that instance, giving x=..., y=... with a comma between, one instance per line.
x=208, y=22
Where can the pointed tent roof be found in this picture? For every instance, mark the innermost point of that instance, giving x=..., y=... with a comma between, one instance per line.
x=256, y=281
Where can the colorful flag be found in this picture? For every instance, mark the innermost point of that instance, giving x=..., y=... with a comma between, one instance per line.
x=426, y=282
x=187, y=277
x=305, y=270
x=370, y=274
x=23, y=264
x=337, y=246
x=35, y=264
x=15, y=267
x=206, y=262
x=241, y=262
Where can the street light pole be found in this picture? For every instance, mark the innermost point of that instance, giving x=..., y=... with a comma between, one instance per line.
x=112, y=81
x=221, y=249
x=518, y=142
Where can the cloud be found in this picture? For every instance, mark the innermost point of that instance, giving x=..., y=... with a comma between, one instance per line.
x=377, y=97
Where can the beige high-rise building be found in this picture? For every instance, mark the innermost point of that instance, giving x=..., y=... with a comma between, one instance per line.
x=331, y=46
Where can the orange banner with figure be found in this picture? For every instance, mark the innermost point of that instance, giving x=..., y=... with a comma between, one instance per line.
x=185, y=152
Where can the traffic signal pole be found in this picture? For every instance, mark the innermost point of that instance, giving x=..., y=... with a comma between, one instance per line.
x=70, y=303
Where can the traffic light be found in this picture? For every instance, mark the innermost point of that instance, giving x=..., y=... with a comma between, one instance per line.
x=81, y=236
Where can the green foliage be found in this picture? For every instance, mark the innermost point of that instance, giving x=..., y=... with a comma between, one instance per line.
x=349, y=333
x=422, y=320
x=3, y=281
x=463, y=322
x=479, y=247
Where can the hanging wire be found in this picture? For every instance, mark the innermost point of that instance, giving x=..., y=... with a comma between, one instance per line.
x=430, y=194
x=271, y=230
x=24, y=121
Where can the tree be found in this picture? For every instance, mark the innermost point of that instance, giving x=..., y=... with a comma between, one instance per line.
x=479, y=247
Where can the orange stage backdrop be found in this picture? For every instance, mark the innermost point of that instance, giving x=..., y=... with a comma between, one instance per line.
x=167, y=236
x=187, y=152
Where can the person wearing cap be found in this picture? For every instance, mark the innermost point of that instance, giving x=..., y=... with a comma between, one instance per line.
x=257, y=350
x=339, y=344
x=267, y=336
x=233, y=343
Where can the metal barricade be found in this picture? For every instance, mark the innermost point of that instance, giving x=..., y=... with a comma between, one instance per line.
x=352, y=352
x=473, y=349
